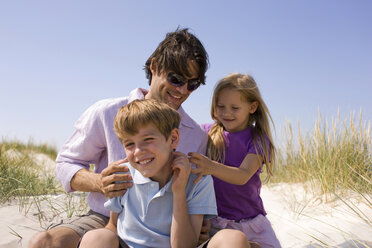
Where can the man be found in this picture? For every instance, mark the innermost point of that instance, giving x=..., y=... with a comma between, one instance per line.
x=175, y=69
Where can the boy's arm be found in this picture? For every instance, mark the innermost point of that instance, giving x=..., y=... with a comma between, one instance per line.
x=112, y=224
x=185, y=228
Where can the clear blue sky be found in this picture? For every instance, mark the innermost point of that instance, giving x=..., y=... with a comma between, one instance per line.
x=59, y=57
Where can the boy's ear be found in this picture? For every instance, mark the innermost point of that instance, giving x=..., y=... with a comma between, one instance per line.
x=153, y=66
x=175, y=138
x=253, y=107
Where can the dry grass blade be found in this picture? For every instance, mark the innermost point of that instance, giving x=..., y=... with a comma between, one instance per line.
x=13, y=232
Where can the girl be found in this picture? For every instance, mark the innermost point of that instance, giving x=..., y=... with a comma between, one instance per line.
x=240, y=142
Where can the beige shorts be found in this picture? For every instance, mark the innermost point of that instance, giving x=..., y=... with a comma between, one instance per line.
x=84, y=223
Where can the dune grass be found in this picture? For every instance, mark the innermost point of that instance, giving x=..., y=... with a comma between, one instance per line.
x=335, y=157
x=333, y=162
x=30, y=146
x=20, y=175
x=24, y=182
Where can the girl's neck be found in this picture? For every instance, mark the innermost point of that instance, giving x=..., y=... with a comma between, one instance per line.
x=236, y=130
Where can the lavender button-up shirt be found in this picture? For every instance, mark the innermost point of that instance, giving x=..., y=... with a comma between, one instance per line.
x=94, y=142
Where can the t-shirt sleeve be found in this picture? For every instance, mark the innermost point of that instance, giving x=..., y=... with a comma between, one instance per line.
x=258, y=149
x=114, y=204
x=202, y=199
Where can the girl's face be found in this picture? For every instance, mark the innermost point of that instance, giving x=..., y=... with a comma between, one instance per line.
x=232, y=111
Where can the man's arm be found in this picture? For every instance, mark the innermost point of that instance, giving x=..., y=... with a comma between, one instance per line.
x=103, y=182
x=88, y=145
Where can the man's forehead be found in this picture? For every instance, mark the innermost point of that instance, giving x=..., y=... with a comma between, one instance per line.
x=193, y=68
x=191, y=72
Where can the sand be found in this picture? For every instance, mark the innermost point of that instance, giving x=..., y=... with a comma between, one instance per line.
x=298, y=218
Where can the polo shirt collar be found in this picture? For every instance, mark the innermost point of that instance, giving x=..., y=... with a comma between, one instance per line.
x=185, y=119
x=137, y=93
x=168, y=186
x=139, y=179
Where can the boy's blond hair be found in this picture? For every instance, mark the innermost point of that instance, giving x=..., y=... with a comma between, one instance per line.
x=139, y=113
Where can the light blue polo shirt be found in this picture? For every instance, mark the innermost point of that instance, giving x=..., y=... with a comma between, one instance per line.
x=146, y=212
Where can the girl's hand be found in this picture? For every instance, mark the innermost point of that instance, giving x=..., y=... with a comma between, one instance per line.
x=181, y=171
x=203, y=165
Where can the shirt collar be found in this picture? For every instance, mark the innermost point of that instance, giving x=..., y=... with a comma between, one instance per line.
x=137, y=93
x=185, y=118
x=138, y=178
x=168, y=186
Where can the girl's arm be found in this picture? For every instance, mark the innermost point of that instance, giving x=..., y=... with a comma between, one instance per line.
x=185, y=228
x=112, y=223
x=234, y=175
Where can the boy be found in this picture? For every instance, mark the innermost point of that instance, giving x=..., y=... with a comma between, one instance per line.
x=164, y=208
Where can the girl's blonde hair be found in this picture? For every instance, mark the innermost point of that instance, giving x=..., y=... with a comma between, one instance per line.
x=260, y=120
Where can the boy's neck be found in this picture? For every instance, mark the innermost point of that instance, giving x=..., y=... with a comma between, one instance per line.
x=165, y=176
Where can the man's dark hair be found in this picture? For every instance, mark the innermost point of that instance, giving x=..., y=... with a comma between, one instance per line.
x=174, y=53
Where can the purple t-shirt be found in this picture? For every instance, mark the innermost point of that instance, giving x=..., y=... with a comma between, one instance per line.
x=237, y=202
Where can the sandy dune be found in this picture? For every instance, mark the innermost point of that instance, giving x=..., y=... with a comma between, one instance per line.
x=298, y=219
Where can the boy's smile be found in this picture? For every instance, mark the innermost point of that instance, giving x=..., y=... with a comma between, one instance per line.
x=149, y=152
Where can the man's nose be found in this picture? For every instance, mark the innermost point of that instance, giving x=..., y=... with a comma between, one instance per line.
x=183, y=89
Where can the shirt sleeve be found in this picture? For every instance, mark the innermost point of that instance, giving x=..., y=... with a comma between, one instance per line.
x=203, y=144
x=202, y=200
x=84, y=147
x=258, y=149
x=114, y=204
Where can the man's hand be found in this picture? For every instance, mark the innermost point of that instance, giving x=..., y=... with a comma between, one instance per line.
x=181, y=171
x=113, y=182
x=204, y=232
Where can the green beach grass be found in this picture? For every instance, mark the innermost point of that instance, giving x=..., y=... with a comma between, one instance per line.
x=334, y=158
x=20, y=175
x=30, y=185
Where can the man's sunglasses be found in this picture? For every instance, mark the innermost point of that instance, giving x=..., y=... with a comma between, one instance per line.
x=177, y=80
